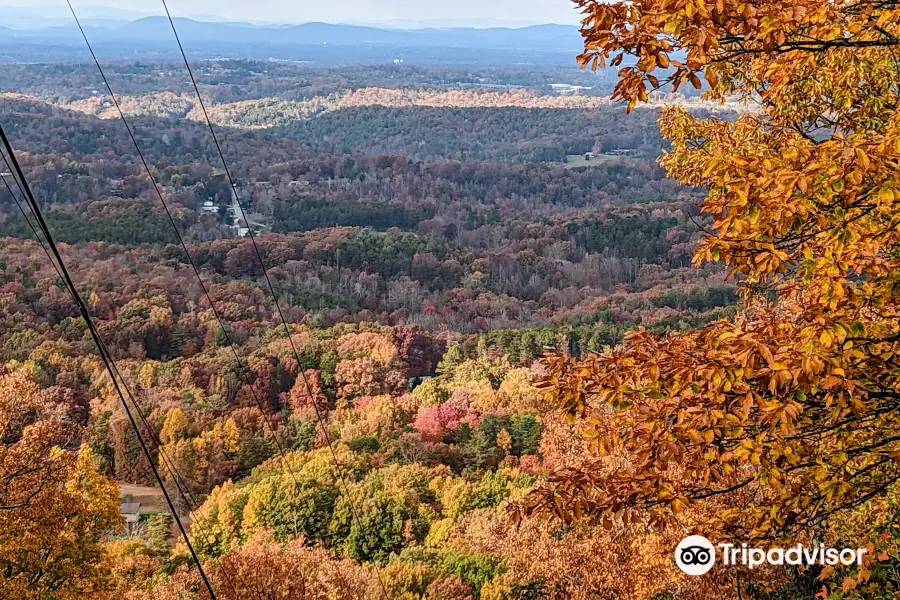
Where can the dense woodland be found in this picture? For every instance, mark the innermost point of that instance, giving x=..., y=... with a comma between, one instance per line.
x=425, y=257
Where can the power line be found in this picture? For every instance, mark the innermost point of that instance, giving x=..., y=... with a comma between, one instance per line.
x=105, y=356
x=177, y=478
x=240, y=363
x=181, y=488
x=25, y=215
x=115, y=368
x=309, y=391
x=243, y=370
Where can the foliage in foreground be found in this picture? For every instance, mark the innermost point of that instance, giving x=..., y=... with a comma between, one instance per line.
x=785, y=417
x=56, y=509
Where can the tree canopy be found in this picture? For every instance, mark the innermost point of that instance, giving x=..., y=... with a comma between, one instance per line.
x=786, y=415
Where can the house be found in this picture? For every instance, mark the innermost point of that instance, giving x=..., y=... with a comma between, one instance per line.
x=243, y=231
x=301, y=183
x=209, y=208
x=588, y=155
x=130, y=511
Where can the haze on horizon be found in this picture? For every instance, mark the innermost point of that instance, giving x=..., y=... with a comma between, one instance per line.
x=401, y=13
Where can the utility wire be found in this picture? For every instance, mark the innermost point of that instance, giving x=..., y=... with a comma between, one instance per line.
x=59, y=273
x=25, y=215
x=101, y=346
x=118, y=374
x=245, y=375
x=177, y=478
x=243, y=369
x=240, y=363
x=339, y=467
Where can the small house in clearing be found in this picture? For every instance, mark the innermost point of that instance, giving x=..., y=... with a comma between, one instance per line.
x=130, y=511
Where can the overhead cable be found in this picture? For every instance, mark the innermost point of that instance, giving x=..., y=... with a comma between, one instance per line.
x=105, y=356
x=242, y=368
x=319, y=416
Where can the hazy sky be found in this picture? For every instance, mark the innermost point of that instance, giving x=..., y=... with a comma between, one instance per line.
x=338, y=11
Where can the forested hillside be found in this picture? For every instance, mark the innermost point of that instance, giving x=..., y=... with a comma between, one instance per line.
x=428, y=240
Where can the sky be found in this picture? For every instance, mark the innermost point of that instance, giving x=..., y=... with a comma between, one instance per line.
x=396, y=12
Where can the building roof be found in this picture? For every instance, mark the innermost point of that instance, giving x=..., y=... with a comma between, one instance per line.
x=129, y=508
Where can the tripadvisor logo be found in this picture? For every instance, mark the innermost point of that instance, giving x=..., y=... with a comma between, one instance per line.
x=695, y=555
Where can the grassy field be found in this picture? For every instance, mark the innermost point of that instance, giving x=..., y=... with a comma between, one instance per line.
x=577, y=160
x=151, y=498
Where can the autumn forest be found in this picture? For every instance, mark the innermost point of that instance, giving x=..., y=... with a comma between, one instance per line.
x=451, y=333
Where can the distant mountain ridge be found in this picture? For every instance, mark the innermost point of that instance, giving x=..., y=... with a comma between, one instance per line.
x=156, y=29
x=313, y=43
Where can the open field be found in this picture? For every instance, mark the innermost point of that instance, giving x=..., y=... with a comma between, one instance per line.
x=151, y=498
x=578, y=160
